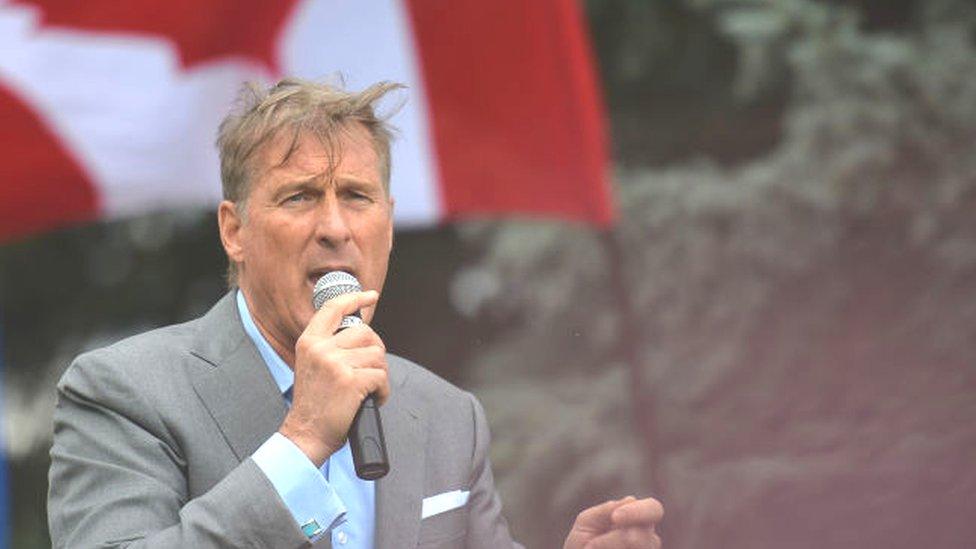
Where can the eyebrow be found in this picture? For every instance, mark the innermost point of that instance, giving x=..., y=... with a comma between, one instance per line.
x=302, y=185
x=346, y=178
x=311, y=184
x=357, y=182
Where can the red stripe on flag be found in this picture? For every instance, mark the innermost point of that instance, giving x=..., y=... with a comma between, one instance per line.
x=42, y=187
x=515, y=111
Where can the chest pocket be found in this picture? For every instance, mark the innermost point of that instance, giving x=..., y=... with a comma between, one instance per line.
x=444, y=530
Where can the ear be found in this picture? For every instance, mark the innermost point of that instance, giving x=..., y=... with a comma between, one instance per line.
x=230, y=223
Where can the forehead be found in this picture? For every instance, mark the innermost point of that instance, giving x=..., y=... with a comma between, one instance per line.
x=349, y=150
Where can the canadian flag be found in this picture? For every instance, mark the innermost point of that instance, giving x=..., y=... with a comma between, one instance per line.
x=109, y=109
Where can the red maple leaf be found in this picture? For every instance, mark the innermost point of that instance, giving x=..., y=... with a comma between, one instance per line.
x=202, y=30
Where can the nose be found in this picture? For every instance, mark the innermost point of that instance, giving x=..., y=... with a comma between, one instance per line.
x=332, y=227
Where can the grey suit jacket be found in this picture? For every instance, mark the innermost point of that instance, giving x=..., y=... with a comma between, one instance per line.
x=153, y=438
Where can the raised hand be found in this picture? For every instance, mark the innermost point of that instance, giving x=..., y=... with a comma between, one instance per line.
x=627, y=523
x=333, y=374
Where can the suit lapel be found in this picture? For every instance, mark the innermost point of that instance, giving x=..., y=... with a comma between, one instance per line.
x=399, y=493
x=235, y=384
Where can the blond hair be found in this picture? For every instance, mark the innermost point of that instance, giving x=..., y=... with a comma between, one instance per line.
x=294, y=107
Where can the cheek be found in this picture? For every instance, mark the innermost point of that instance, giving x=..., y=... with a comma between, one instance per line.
x=380, y=245
x=282, y=243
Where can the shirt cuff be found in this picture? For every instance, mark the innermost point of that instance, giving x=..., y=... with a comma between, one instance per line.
x=308, y=496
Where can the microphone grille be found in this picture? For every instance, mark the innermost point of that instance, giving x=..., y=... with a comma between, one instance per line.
x=332, y=285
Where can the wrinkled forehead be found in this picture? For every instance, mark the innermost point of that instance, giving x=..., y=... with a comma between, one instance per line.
x=315, y=152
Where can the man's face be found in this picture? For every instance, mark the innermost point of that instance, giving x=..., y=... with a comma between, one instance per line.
x=303, y=220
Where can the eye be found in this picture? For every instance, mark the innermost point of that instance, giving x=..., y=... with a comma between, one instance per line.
x=297, y=197
x=358, y=196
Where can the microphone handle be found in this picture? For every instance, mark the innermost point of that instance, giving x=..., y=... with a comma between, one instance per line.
x=367, y=443
x=366, y=432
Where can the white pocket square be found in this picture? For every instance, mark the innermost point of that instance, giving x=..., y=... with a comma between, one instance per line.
x=441, y=503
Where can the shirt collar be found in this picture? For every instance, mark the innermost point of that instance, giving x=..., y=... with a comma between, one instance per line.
x=283, y=375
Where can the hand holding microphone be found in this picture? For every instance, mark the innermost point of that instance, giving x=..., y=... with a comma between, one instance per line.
x=340, y=379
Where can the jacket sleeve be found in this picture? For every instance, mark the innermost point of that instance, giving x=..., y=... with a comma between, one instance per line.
x=118, y=479
x=487, y=527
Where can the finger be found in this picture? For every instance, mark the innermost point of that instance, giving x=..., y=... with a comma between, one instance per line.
x=373, y=381
x=626, y=538
x=326, y=320
x=597, y=518
x=638, y=512
x=357, y=336
x=362, y=357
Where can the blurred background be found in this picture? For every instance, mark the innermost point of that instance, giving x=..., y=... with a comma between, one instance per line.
x=776, y=336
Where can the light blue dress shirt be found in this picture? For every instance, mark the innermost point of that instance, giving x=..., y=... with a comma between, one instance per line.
x=327, y=500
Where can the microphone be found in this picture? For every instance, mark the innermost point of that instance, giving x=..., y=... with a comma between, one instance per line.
x=366, y=432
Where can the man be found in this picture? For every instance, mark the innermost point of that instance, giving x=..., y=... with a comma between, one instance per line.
x=229, y=430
